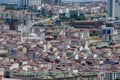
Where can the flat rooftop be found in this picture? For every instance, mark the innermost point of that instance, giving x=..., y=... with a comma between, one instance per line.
x=10, y=79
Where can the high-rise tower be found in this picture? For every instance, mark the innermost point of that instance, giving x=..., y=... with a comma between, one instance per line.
x=57, y=2
x=50, y=2
x=35, y=2
x=114, y=8
x=24, y=3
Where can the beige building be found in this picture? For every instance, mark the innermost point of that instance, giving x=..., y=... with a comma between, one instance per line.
x=10, y=79
x=17, y=14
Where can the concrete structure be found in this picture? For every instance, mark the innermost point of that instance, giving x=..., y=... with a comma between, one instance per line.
x=57, y=2
x=35, y=2
x=51, y=2
x=87, y=24
x=10, y=79
x=114, y=8
x=14, y=18
x=25, y=3
x=112, y=75
x=1, y=73
x=109, y=33
x=17, y=14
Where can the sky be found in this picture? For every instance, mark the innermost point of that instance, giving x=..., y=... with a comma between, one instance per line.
x=83, y=0
x=3, y=1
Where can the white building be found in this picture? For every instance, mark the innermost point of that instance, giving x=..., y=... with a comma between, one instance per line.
x=34, y=2
x=25, y=3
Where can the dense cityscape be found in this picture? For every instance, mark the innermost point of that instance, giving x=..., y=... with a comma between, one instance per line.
x=59, y=39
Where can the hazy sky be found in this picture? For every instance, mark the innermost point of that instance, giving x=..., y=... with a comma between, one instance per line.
x=1, y=1
x=84, y=0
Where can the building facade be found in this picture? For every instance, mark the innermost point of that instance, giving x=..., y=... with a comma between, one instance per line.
x=25, y=3
x=114, y=8
x=57, y=2
x=35, y=2
x=109, y=34
x=50, y=2
x=112, y=75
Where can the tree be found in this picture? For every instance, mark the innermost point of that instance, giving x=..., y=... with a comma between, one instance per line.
x=3, y=55
x=117, y=79
x=81, y=18
x=73, y=16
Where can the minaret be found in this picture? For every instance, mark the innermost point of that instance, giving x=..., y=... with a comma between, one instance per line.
x=22, y=40
x=86, y=46
x=81, y=48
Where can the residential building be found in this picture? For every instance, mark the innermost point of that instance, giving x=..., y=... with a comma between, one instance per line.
x=57, y=2
x=109, y=33
x=14, y=18
x=112, y=75
x=35, y=2
x=51, y=2
x=87, y=24
x=24, y=3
